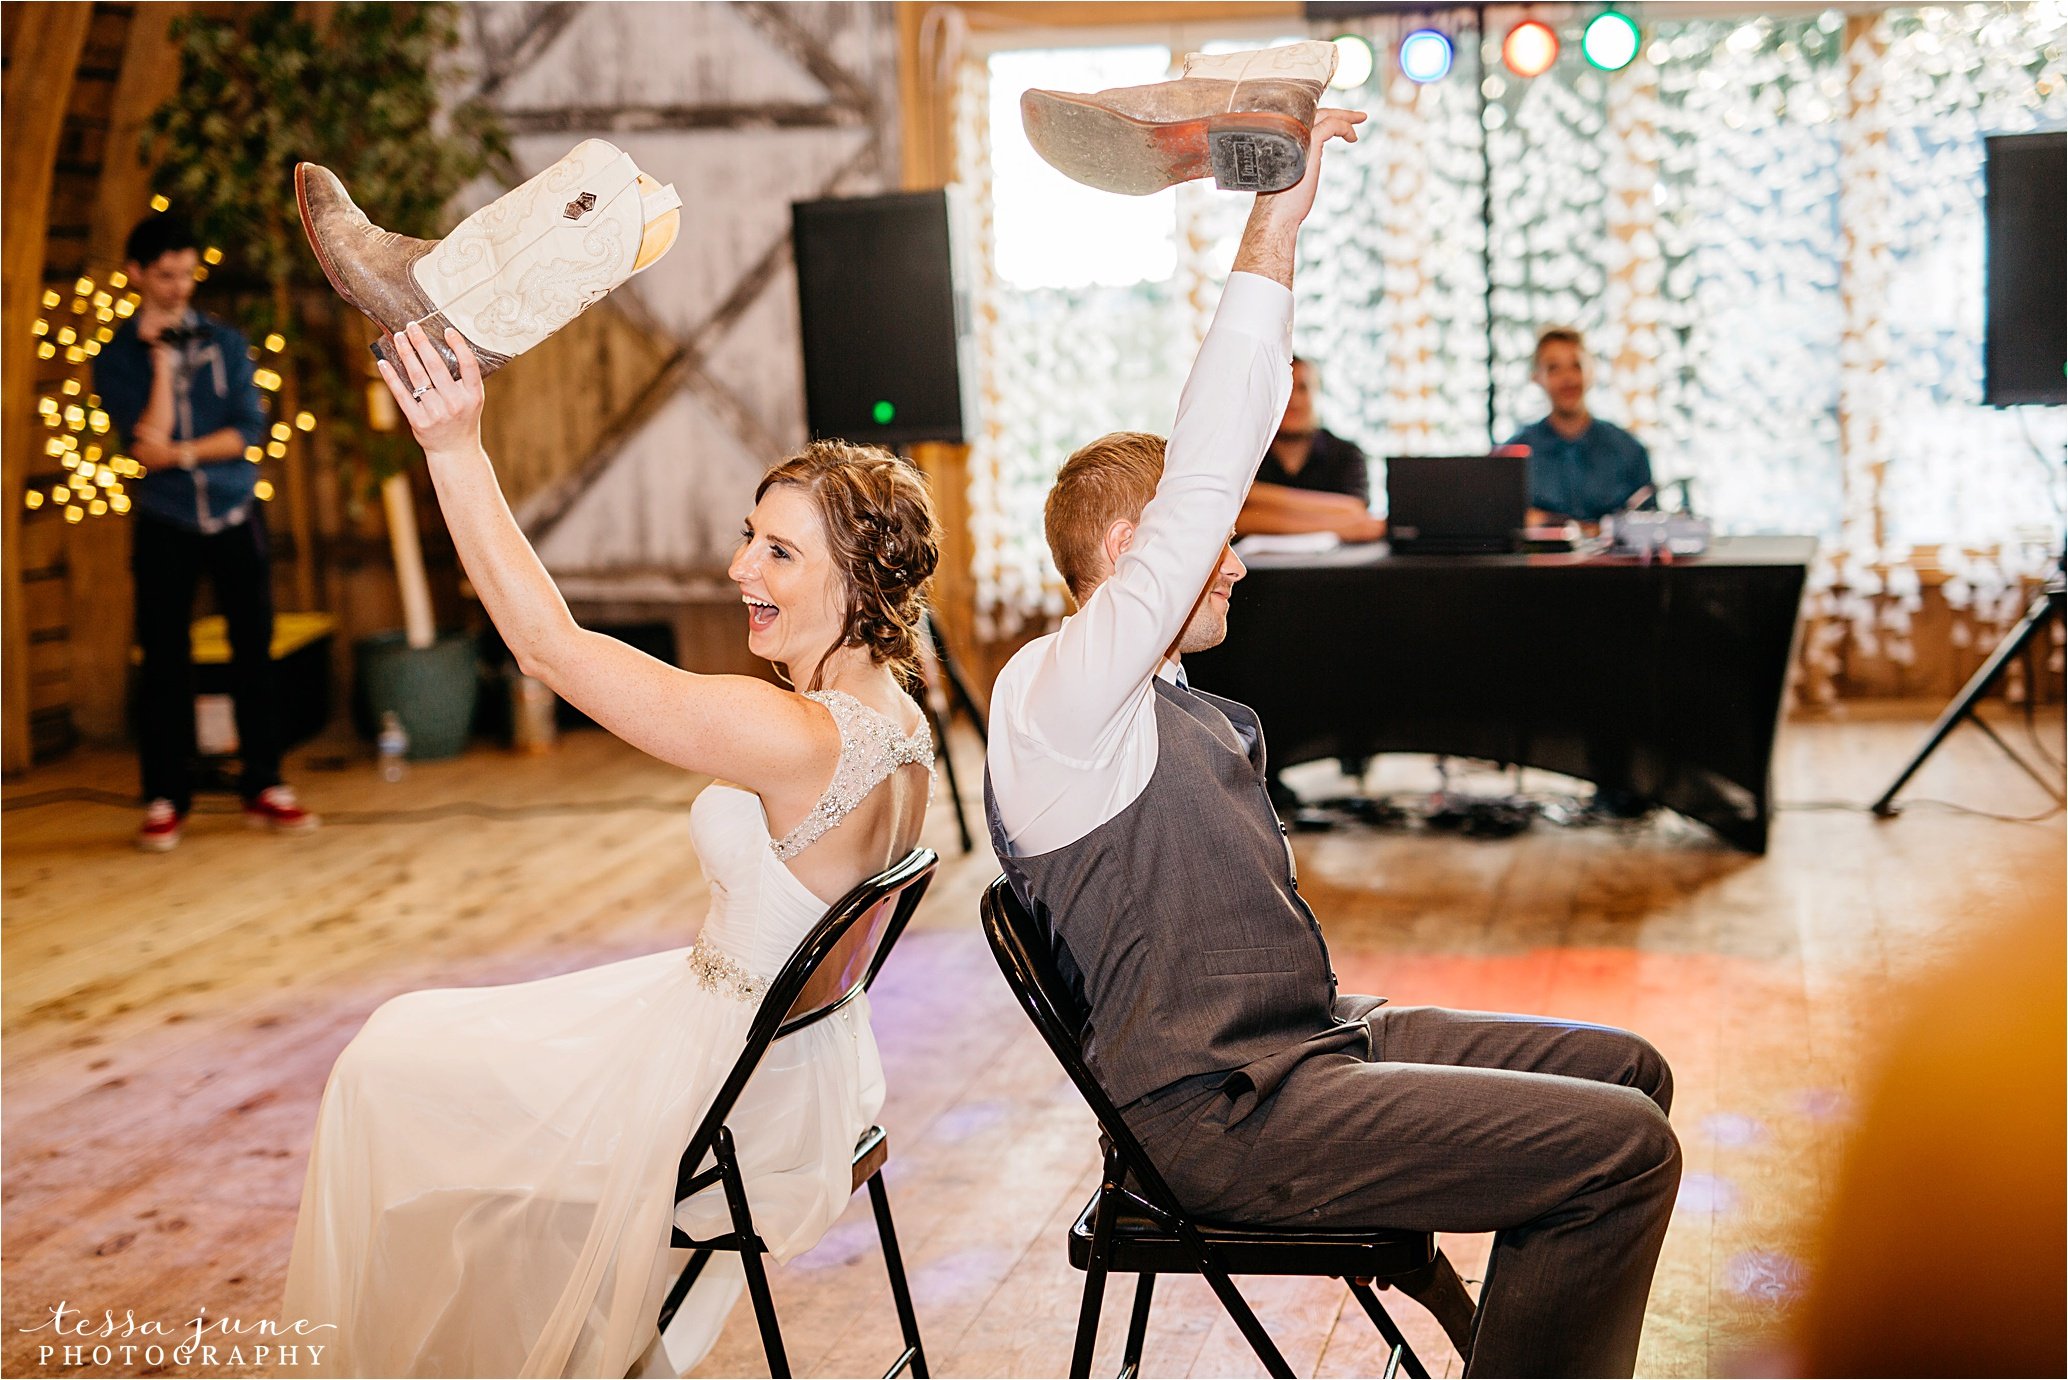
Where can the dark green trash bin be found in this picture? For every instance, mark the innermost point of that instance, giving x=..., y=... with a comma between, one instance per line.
x=431, y=689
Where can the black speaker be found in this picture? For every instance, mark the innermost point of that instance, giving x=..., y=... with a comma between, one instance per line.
x=2025, y=349
x=883, y=300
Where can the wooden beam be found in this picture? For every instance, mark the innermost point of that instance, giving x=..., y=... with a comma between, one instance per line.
x=98, y=551
x=547, y=24
x=776, y=24
x=44, y=43
x=150, y=73
x=635, y=119
x=927, y=157
x=927, y=160
x=991, y=17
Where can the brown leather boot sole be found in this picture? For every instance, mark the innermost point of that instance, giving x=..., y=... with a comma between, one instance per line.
x=1244, y=151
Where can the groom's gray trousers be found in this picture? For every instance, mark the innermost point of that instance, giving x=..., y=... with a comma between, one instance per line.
x=1551, y=1134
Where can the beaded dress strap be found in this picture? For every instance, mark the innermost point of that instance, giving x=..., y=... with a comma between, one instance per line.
x=871, y=748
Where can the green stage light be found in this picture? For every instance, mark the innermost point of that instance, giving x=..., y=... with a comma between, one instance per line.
x=1354, y=63
x=883, y=412
x=1611, y=41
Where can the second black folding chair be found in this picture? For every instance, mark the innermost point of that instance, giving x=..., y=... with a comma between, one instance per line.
x=1135, y=1225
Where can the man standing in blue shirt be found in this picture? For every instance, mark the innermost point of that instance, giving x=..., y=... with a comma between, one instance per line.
x=1580, y=467
x=177, y=385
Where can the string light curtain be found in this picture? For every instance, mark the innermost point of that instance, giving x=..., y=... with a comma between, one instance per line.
x=1771, y=231
x=1079, y=331
x=1950, y=76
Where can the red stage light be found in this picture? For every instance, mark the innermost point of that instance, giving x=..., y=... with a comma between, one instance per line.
x=1530, y=48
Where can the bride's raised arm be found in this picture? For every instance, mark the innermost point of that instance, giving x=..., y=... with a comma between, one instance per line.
x=746, y=730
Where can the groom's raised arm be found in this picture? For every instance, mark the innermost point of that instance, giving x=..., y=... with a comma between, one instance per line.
x=1098, y=666
x=1093, y=675
x=1073, y=736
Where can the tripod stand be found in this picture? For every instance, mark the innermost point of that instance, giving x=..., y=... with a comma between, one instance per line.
x=934, y=651
x=2049, y=604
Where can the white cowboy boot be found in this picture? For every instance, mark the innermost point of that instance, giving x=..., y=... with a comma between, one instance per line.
x=509, y=275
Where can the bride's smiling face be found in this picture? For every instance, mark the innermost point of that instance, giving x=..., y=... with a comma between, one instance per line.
x=786, y=576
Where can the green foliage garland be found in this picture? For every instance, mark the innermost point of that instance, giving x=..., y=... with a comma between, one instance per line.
x=364, y=93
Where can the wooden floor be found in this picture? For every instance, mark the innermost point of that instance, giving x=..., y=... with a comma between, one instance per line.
x=169, y=1021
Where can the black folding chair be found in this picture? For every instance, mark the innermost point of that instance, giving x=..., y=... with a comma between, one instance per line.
x=837, y=960
x=1135, y=1225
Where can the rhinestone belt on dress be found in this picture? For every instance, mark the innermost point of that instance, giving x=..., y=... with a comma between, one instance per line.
x=722, y=974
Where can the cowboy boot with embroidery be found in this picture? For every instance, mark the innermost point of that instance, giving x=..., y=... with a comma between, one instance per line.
x=509, y=275
x=1242, y=118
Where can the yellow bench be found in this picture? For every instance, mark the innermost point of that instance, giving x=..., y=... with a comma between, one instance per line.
x=301, y=673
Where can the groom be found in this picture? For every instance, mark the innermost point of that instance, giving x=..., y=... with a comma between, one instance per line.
x=1130, y=812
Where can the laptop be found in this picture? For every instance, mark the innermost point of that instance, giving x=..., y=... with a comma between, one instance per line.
x=1457, y=504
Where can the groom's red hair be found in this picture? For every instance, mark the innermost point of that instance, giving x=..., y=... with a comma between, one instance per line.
x=1108, y=481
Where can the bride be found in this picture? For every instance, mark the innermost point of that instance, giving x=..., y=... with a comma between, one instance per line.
x=491, y=1186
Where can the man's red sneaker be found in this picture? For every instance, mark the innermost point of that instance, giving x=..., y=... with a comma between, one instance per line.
x=161, y=828
x=275, y=808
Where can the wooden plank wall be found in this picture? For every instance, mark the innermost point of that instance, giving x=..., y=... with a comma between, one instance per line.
x=99, y=584
x=68, y=624
x=43, y=44
x=630, y=445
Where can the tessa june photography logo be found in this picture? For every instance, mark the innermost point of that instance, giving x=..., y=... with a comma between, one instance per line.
x=74, y=1338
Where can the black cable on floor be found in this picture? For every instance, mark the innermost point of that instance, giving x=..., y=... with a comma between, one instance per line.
x=2032, y=734
x=1854, y=806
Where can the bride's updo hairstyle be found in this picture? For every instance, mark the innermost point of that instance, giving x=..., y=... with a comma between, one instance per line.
x=885, y=540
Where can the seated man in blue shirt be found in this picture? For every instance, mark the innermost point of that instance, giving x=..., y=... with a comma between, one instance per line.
x=1580, y=467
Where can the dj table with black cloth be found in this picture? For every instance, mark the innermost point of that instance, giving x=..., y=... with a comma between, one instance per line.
x=1664, y=680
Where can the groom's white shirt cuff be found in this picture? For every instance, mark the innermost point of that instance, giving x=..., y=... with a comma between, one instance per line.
x=1073, y=715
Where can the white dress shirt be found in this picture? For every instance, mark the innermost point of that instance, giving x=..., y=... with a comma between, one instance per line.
x=1073, y=715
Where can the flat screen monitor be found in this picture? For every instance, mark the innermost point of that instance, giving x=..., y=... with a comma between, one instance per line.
x=1456, y=504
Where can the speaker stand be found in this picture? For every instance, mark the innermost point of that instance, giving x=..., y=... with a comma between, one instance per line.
x=2048, y=605
x=957, y=696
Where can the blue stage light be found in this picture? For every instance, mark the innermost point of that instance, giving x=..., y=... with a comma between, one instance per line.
x=1425, y=56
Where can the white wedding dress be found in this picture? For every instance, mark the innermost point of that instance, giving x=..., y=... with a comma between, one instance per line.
x=492, y=1181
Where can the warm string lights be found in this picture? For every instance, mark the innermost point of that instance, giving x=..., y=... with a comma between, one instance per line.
x=81, y=438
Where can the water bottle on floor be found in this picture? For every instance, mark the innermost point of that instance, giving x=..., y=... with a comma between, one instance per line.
x=393, y=744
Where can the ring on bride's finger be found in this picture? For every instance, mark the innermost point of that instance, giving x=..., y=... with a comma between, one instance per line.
x=417, y=394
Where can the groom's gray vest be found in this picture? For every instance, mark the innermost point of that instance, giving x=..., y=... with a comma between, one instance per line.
x=1178, y=920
